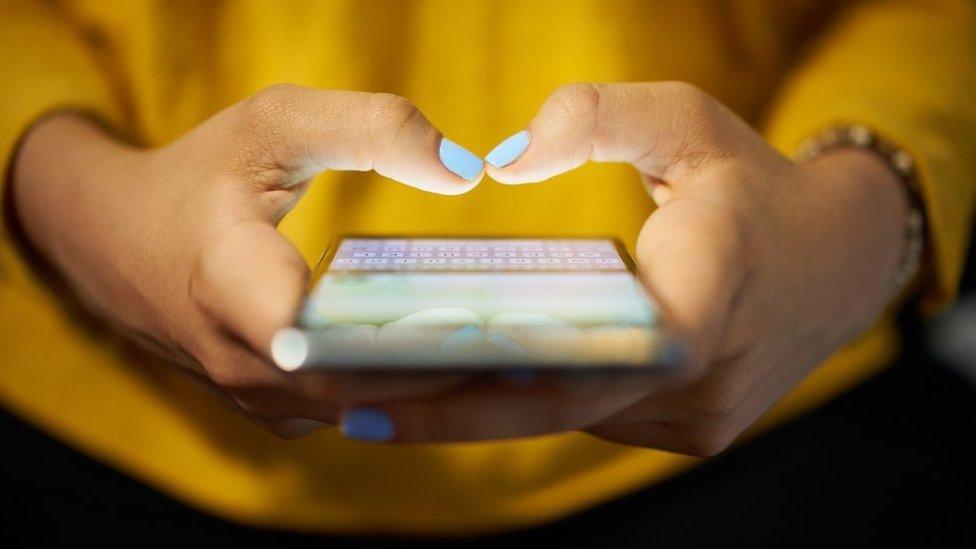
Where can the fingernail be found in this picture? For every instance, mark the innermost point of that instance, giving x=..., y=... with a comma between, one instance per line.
x=519, y=376
x=461, y=338
x=367, y=424
x=460, y=161
x=504, y=342
x=508, y=150
x=289, y=348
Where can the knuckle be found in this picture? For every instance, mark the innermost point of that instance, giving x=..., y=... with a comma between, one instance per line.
x=392, y=109
x=227, y=377
x=576, y=100
x=693, y=99
x=714, y=409
x=224, y=367
x=705, y=442
x=702, y=122
x=390, y=113
x=270, y=102
x=259, y=409
x=715, y=403
x=252, y=396
x=261, y=117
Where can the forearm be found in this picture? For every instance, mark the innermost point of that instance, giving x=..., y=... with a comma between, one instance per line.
x=62, y=180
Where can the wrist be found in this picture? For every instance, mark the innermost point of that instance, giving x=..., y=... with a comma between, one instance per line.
x=869, y=205
x=62, y=165
x=898, y=161
x=860, y=170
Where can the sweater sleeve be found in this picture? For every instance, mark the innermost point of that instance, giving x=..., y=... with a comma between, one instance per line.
x=46, y=66
x=906, y=69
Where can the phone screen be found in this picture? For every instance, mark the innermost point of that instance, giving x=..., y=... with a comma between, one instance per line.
x=438, y=303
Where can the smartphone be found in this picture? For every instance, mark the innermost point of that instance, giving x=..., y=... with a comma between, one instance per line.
x=446, y=303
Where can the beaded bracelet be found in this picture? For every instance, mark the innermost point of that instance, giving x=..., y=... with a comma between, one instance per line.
x=901, y=162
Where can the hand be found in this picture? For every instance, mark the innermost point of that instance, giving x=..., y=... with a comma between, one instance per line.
x=765, y=265
x=177, y=245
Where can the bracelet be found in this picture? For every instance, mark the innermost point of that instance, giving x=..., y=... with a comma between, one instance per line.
x=902, y=163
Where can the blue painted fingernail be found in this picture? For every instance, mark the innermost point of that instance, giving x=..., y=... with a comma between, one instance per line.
x=506, y=343
x=367, y=424
x=461, y=338
x=508, y=150
x=519, y=376
x=459, y=160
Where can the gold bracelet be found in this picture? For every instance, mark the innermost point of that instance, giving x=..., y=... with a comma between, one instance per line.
x=902, y=163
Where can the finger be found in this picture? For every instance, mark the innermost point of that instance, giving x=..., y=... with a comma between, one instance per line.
x=293, y=427
x=263, y=392
x=664, y=129
x=251, y=280
x=692, y=260
x=698, y=433
x=299, y=132
x=364, y=388
x=285, y=428
x=260, y=388
x=660, y=436
x=690, y=251
x=496, y=409
x=252, y=284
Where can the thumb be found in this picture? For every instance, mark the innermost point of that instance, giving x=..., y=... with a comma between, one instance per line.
x=292, y=133
x=251, y=280
x=664, y=129
x=692, y=259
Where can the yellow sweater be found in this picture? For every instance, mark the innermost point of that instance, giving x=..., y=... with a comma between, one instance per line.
x=479, y=70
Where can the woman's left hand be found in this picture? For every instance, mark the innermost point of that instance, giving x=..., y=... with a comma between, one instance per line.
x=767, y=266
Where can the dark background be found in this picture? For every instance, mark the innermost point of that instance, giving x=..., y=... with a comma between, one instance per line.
x=891, y=462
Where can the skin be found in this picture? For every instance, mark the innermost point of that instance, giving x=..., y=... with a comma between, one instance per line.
x=177, y=245
x=765, y=265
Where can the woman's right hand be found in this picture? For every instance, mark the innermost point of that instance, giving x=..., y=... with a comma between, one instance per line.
x=177, y=245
